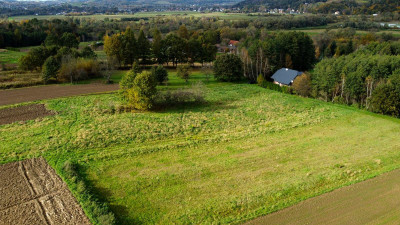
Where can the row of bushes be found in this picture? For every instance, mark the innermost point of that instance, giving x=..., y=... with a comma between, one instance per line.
x=97, y=211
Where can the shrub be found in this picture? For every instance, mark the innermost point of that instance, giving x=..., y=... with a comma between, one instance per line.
x=50, y=69
x=228, y=67
x=78, y=69
x=136, y=67
x=260, y=80
x=276, y=87
x=302, y=85
x=127, y=83
x=141, y=95
x=183, y=71
x=160, y=73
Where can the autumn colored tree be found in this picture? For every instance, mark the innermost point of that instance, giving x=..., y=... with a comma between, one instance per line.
x=302, y=85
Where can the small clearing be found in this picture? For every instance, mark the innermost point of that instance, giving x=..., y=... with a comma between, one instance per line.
x=32, y=193
x=23, y=113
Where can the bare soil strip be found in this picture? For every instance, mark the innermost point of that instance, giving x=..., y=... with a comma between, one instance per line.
x=32, y=193
x=14, y=96
x=375, y=201
x=23, y=113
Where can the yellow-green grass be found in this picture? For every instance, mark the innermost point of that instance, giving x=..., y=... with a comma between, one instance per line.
x=10, y=57
x=248, y=151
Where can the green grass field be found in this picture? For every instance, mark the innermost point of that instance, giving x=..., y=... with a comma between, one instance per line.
x=316, y=31
x=229, y=16
x=246, y=152
x=10, y=57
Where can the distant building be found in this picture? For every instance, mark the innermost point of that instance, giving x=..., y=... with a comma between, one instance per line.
x=233, y=46
x=285, y=76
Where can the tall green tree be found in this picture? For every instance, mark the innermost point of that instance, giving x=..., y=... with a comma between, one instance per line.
x=157, y=48
x=129, y=47
x=228, y=67
x=69, y=40
x=143, y=47
x=175, y=47
x=183, y=32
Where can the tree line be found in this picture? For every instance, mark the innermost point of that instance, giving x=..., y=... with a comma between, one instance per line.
x=294, y=50
x=179, y=47
x=368, y=78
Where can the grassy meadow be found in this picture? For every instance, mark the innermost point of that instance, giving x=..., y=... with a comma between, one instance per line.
x=229, y=16
x=246, y=152
x=10, y=57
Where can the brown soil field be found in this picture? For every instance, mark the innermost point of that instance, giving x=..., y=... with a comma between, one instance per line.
x=32, y=193
x=375, y=201
x=23, y=113
x=15, y=96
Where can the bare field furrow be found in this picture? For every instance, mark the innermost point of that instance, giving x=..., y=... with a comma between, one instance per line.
x=32, y=193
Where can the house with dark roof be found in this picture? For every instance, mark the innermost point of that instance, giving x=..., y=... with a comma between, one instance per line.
x=285, y=76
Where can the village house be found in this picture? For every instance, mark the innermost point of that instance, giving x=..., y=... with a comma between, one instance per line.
x=285, y=76
x=233, y=46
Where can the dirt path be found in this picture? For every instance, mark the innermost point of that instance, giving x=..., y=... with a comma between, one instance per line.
x=14, y=96
x=32, y=193
x=375, y=201
x=23, y=113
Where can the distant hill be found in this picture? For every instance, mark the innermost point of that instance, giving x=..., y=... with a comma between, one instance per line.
x=145, y=2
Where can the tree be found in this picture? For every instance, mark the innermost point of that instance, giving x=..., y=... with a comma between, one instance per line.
x=385, y=99
x=228, y=67
x=17, y=36
x=127, y=83
x=158, y=46
x=195, y=51
x=69, y=40
x=108, y=67
x=143, y=47
x=51, y=39
x=87, y=52
x=160, y=73
x=34, y=59
x=175, y=49
x=183, y=32
x=129, y=50
x=209, y=53
x=50, y=69
x=141, y=95
x=113, y=47
x=183, y=71
x=302, y=85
